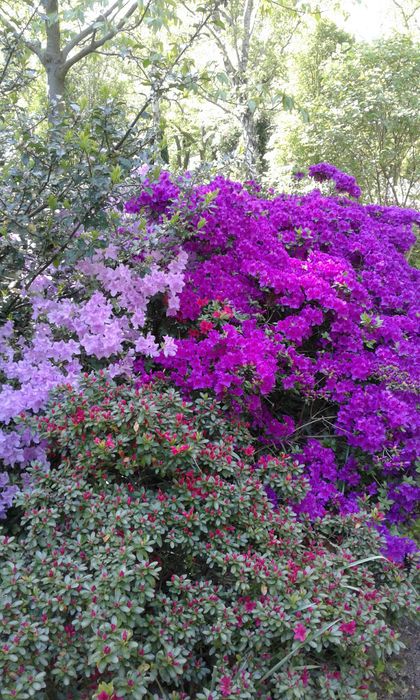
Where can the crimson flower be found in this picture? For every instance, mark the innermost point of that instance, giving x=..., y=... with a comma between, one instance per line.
x=300, y=632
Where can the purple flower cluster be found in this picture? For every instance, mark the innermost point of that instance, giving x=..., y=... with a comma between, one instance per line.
x=154, y=197
x=343, y=182
x=397, y=548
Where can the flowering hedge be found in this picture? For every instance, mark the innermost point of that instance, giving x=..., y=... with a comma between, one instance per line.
x=209, y=439
x=159, y=558
x=299, y=311
x=304, y=312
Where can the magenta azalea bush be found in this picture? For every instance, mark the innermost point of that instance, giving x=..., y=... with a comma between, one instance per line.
x=302, y=311
x=152, y=561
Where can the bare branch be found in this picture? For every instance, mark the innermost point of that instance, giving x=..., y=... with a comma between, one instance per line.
x=296, y=11
x=228, y=63
x=219, y=104
x=97, y=43
x=291, y=35
x=406, y=14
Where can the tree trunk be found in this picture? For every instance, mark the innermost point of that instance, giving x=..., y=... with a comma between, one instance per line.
x=53, y=56
x=156, y=110
x=252, y=156
x=158, y=142
x=249, y=131
x=56, y=83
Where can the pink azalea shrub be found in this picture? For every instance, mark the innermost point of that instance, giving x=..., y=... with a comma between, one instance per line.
x=152, y=561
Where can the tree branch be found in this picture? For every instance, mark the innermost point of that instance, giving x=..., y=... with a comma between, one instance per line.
x=228, y=63
x=13, y=49
x=174, y=63
x=35, y=47
x=295, y=10
x=97, y=43
x=406, y=15
x=218, y=104
x=76, y=41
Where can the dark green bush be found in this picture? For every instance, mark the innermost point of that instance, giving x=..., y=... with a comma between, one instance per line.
x=153, y=561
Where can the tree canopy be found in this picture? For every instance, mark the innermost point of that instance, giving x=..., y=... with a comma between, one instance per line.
x=364, y=114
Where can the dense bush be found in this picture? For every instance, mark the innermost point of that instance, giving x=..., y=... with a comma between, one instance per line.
x=300, y=312
x=304, y=311
x=159, y=557
x=57, y=176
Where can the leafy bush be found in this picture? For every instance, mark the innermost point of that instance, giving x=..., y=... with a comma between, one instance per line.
x=303, y=311
x=159, y=558
x=298, y=311
x=60, y=172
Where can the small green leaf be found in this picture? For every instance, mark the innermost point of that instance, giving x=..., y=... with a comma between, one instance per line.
x=116, y=174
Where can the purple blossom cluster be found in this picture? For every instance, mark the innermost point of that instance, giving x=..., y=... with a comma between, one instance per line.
x=154, y=197
x=343, y=182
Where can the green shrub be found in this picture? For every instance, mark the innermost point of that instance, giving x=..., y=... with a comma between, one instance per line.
x=153, y=562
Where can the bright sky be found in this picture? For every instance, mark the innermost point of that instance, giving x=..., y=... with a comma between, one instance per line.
x=370, y=19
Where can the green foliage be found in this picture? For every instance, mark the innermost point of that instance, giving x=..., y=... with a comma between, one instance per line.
x=364, y=114
x=150, y=562
x=53, y=189
x=326, y=45
x=63, y=161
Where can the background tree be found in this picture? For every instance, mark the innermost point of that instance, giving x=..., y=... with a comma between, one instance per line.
x=327, y=42
x=249, y=42
x=67, y=35
x=364, y=114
